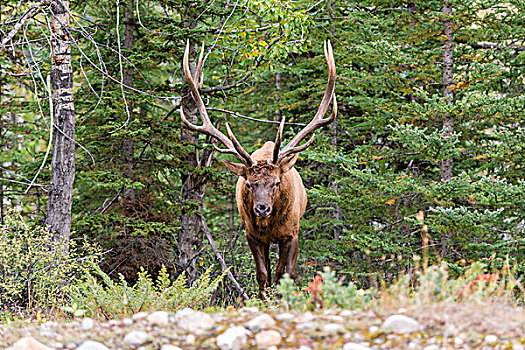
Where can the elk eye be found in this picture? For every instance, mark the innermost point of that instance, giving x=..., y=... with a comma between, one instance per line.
x=277, y=183
x=248, y=185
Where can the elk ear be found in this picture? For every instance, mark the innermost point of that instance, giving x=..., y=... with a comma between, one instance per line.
x=236, y=168
x=288, y=163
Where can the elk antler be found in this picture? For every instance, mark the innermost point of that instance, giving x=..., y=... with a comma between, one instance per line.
x=232, y=145
x=318, y=120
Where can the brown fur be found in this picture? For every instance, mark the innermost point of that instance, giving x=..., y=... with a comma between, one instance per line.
x=282, y=225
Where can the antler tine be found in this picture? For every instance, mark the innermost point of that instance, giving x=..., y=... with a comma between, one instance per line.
x=238, y=147
x=232, y=145
x=277, y=146
x=318, y=120
x=199, y=75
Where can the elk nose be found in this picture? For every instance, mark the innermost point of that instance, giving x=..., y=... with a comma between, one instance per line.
x=262, y=209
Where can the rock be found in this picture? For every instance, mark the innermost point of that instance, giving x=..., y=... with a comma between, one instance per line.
x=234, y=338
x=127, y=321
x=169, y=347
x=268, y=338
x=355, y=346
x=491, y=339
x=139, y=316
x=87, y=324
x=249, y=310
x=285, y=317
x=190, y=339
x=92, y=345
x=333, y=328
x=183, y=313
x=346, y=313
x=401, y=324
x=136, y=338
x=29, y=343
x=158, y=318
x=306, y=326
x=432, y=347
x=335, y=318
x=517, y=346
x=373, y=329
x=196, y=322
x=263, y=321
x=306, y=317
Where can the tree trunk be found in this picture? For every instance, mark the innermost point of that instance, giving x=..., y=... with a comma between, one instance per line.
x=63, y=159
x=448, y=78
x=278, y=86
x=127, y=78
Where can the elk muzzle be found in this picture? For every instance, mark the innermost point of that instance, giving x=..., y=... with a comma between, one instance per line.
x=262, y=209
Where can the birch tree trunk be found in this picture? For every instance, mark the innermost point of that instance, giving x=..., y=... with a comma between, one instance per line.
x=448, y=78
x=60, y=197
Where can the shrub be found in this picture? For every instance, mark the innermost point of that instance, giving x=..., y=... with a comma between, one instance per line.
x=324, y=292
x=474, y=283
x=33, y=275
x=101, y=297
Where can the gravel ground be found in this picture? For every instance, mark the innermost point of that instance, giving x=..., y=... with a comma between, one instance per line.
x=450, y=326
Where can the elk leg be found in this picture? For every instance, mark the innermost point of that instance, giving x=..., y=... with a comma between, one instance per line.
x=268, y=266
x=258, y=252
x=288, y=250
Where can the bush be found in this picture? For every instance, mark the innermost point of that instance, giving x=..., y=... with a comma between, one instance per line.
x=324, y=292
x=100, y=297
x=475, y=283
x=33, y=275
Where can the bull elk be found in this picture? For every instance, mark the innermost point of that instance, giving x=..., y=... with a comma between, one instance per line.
x=270, y=194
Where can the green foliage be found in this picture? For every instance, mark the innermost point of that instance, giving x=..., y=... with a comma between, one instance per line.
x=101, y=297
x=35, y=272
x=324, y=292
x=477, y=282
x=367, y=176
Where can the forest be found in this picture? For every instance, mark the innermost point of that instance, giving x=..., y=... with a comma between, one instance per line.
x=423, y=165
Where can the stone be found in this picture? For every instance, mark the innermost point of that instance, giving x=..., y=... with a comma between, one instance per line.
x=333, y=328
x=169, y=347
x=373, y=329
x=190, y=339
x=491, y=339
x=517, y=346
x=285, y=317
x=234, y=338
x=183, y=313
x=263, y=321
x=87, y=324
x=401, y=324
x=432, y=347
x=249, y=310
x=29, y=343
x=355, y=346
x=268, y=338
x=306, y=317
x=139, y=316
x=196, y=322
x=136, y=338
x=158, y=318
x=306, y=326
x=346, y=313
x=127, y=321
x=92, y=345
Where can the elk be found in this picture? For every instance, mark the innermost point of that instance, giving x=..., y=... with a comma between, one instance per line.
x=270, y=195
